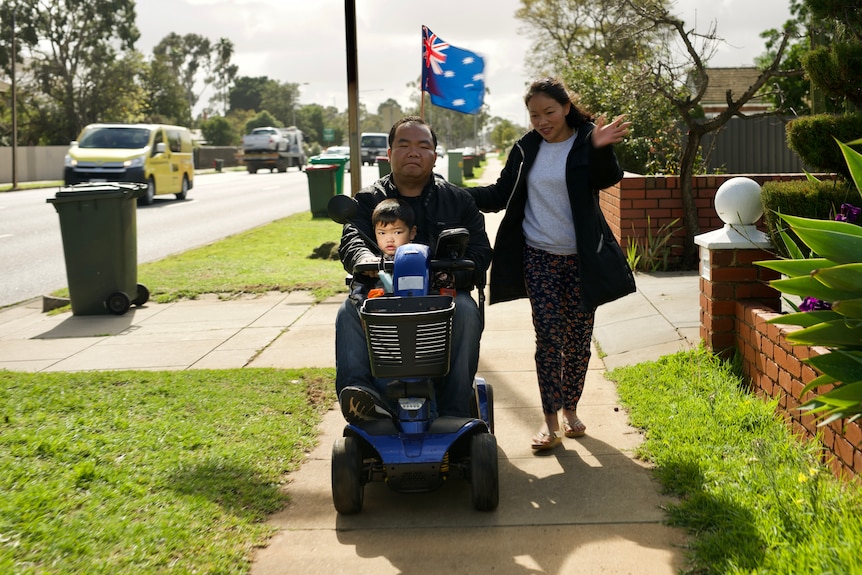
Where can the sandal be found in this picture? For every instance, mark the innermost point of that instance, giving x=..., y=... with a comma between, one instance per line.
x=574, y=428
x=544, y=441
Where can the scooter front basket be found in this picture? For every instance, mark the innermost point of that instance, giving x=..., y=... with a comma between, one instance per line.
x=408, y=336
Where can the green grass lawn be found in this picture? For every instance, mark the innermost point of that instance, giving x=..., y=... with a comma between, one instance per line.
x=149, y=472
x=753, y=498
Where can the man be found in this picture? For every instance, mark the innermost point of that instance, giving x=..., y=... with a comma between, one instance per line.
x=438, y=205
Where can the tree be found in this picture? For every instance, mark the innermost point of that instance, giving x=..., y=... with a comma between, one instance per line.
x=836, y=49
x=562, y=28
x=247, y=93
x=832, y=63
x=261, y=120
x=188, y=56
x=590, y=45
x=164, y=98
x=280, y=99
x=504, y=133
x=72, y=48
x=683, y=83
x=654, y=146
x=218, y=131
x=790, y=94
x=223, y=73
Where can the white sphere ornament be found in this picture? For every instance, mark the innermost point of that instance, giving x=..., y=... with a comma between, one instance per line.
x=738, y=202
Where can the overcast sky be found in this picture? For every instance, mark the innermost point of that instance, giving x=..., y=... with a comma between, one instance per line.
x=302, y=41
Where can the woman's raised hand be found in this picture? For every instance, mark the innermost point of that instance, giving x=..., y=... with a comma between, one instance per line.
x=612, y=133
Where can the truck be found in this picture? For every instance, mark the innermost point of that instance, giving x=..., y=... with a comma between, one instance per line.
x=272, y=148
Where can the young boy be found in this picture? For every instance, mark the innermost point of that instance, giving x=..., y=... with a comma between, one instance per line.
x=394, y=225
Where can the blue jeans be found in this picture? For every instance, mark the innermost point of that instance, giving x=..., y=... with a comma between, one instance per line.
x=454, y=393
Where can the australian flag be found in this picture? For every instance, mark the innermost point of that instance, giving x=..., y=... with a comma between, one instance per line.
x=455, y=78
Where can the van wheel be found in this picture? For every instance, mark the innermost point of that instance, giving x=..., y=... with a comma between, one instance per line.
x=184, y=190
x=147, y=198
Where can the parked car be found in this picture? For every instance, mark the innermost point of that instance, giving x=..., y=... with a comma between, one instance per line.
x=440, y=151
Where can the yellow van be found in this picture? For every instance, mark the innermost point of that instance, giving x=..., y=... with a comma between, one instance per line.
x=155, y=154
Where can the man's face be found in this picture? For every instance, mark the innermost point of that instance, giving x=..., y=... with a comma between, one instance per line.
x=412, y=153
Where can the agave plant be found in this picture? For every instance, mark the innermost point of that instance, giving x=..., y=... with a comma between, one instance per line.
x=833, y=273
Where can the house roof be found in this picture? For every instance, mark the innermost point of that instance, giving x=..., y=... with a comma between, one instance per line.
x=738, y=80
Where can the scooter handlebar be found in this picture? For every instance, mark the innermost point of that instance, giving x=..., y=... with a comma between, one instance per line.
x=378, y=265
x=452, y=265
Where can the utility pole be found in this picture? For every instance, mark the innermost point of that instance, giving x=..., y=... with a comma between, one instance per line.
x=352, y=96
x=14, y=108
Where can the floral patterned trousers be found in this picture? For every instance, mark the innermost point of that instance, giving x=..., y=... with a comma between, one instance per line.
x=563, y=328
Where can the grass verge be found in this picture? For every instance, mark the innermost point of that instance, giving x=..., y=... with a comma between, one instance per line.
x=273, y=257
x=149, y=472
x=753, y=498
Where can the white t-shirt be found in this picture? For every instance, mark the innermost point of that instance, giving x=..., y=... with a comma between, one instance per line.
x=548, y=223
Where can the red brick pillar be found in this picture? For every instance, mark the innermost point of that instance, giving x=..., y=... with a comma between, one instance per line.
x=727, y=270
x=728, y=275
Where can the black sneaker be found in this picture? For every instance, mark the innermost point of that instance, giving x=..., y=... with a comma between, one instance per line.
x=359, y=404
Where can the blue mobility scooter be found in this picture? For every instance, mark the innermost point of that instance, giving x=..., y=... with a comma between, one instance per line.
x=409, y=338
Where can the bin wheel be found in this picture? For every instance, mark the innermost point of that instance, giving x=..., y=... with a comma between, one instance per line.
x=143, y=296
x=347, y=489
x=118, y=303
x=484, y=472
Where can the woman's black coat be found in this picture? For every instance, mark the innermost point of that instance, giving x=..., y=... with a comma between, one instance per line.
x=605, y=275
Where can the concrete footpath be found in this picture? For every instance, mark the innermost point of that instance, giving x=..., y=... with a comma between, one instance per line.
x=586, y=507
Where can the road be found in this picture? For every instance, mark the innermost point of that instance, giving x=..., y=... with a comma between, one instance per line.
x=219, y=205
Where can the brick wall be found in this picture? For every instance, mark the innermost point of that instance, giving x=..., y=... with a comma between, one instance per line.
x=637, y=202
x=775, y=370
x=735, y=305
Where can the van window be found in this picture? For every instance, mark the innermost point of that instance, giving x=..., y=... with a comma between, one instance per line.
x=115, y=137
x=174, y=140
x=157, y=139
x=374, y=142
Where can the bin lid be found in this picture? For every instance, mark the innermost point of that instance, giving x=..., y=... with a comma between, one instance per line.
x=332, y=160
x=316, y=167
x=97, y=190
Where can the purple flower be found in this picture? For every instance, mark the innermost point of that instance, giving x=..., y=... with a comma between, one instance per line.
x=849, y=213
x=814, y=304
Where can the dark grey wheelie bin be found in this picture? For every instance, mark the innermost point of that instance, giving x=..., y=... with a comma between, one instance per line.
x=100, y=245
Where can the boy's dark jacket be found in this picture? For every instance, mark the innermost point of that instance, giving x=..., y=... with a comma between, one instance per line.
x=605, y=274
x=444, y=206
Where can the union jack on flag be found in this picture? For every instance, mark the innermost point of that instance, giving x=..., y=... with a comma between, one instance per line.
x=455, y=78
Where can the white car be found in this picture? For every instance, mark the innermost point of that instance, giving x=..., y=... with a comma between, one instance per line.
x=440, y=151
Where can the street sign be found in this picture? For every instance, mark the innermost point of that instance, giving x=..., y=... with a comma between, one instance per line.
x=328, y=134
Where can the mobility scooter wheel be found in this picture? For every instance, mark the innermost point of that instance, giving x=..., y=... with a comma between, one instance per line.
x=484, y=473
x=347, y=488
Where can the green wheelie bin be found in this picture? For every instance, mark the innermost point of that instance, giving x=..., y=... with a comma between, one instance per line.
x=98, y=227
x=339, y=175
x=383, y=167
x=321, y=187
x=456, y=164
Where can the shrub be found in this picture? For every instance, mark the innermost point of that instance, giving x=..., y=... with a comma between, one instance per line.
x=807, y=199
x=813, y=138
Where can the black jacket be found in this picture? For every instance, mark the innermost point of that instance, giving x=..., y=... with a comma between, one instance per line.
x=444, y=206
x=605, y=275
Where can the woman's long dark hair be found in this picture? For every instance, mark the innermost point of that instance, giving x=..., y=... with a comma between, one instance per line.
x=554, y=88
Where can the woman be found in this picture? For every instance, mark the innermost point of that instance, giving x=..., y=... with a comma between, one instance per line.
x=553, y=244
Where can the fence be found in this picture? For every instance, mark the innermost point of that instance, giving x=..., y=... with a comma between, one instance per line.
x=751, y=146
